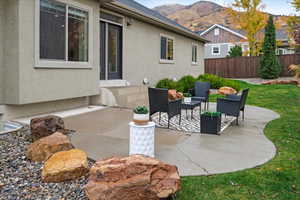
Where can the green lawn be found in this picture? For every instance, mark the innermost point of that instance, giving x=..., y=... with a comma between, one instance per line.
x=277, y=179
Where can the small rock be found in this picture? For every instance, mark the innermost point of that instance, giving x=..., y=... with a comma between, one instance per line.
x=65, y=165
x=45, y=147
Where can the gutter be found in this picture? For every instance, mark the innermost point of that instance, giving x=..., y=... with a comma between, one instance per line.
x=137, y=14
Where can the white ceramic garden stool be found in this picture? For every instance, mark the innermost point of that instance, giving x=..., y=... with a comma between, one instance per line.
x=142, y=139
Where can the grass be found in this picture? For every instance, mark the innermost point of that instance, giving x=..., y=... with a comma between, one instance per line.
x=279, y=179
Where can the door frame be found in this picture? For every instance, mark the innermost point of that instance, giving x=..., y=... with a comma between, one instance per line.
x=123, y=43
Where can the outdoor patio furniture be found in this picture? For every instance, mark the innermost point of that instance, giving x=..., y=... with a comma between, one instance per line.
x=232, y=105
x=191, y=106
x=201, y=93
x=159, y=102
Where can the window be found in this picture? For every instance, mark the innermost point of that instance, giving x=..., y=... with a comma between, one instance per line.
x=194, y=54
x=280, y=51
x=215, y=50
x=217, y=31
x=110, y=18
x=166, y=49
x=64, y=34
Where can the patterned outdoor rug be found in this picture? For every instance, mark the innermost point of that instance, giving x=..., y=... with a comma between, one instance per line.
x=188, y=125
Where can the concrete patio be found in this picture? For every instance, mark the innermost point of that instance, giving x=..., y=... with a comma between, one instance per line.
x=105, y=133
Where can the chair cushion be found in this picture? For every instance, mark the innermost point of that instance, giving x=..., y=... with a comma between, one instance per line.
x=172, y=94
x=227, y=90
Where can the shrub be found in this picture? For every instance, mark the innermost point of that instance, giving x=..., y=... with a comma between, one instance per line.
x=215, y=81
x=186, y=83
x=235, y=51
x=166, y=83
x=218, y=82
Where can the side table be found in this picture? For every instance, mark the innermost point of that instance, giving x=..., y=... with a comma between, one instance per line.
x=142, y=139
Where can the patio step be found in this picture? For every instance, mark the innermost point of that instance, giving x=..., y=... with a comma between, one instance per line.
x=125, y=96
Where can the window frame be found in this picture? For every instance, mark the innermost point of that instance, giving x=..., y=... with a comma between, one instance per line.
x=44, y=63
x=212, y=50
x=195, y=45
x=166, y=61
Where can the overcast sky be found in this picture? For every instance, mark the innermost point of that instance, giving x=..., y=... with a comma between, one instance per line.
x=273, y=6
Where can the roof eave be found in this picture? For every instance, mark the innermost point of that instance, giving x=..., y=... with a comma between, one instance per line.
x=137, y=14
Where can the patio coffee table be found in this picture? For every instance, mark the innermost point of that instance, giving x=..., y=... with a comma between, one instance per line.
x=191, y=106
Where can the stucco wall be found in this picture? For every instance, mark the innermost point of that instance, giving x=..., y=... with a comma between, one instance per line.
x=11, y=53
x=142, y=55
x=1, y=50
x=19, y=111
x=41, y=85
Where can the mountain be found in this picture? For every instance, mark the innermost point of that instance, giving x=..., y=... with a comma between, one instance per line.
x=169, y=9
x=202, y=14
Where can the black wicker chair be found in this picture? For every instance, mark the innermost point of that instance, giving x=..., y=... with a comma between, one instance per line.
x=159, y=102
x=232, y=105
x=201, y=93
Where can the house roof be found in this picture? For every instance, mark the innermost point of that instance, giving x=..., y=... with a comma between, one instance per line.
x=281, y=34
x=235, y=32
x=153, y=15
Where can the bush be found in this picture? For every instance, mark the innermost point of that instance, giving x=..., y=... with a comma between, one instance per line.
x=166, y=83
x=235, y=51
x=215, y=81
x=186, y=83
x=218, y=82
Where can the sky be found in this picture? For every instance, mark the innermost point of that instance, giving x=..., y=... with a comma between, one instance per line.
x=279, y=7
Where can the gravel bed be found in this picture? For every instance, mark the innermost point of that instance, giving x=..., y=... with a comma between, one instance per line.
x=21, y=178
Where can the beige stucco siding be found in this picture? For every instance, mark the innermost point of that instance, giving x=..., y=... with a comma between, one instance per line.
x=1, y=50
x=40, y=85
x=11, y=52
x=142, y=55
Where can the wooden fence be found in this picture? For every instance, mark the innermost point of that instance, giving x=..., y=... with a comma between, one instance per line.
x=245, y=67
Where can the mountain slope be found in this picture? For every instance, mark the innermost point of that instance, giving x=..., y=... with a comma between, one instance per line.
x=202, y=14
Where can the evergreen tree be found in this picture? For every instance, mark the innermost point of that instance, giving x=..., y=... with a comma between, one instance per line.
x=269, y=64
x=235, y=51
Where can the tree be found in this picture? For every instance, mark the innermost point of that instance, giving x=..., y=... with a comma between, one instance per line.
x=235, y=51
x=293, y=23
x=248, y=15
x=269, y=64
x=296, y=4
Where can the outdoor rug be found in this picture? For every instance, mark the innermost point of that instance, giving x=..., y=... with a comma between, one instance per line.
x=188, y=125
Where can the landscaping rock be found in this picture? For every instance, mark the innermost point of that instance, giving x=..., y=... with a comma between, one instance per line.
x=281, y=82
x=65, y=165
x=227, y=91
x=132, y=178
x=43, y=148
x=45, y=126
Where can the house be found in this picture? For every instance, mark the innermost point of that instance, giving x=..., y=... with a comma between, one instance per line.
x=56, y=54
x=222, y=39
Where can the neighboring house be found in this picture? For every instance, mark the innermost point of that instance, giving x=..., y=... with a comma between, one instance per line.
x=56, y=54
x=222, y=39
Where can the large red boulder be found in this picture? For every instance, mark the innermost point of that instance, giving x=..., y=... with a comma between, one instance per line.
x=45, y=126
x=132, y=178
